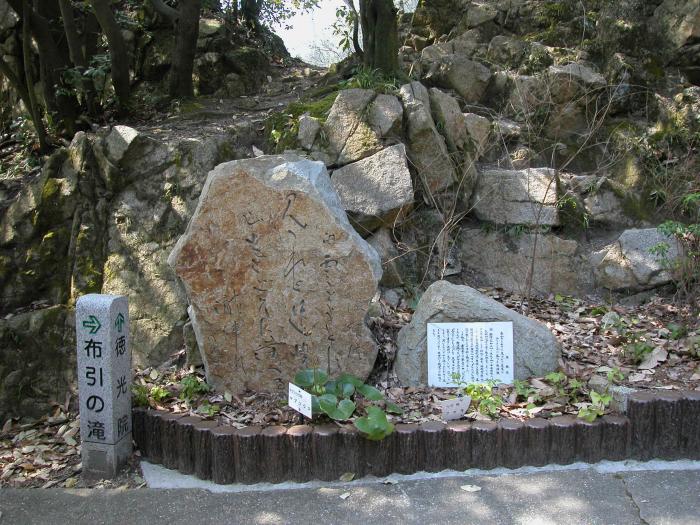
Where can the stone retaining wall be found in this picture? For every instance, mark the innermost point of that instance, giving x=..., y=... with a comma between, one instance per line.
x=662, y=425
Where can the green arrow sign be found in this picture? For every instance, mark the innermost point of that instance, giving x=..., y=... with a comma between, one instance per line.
x=119, y=323
x=93, y=323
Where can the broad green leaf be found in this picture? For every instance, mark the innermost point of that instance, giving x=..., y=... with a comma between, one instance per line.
x=315, y=407
x=363, y=425
x=328, y=403
x=373, y=430
x=341, y=412
x=349, y=378
x=345, y=390
x=346, y=408
x=370, y=392
x=304, y=378
x=319, y=377
x=376, y=414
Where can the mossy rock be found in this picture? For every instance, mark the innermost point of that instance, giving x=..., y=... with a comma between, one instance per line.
x=281, y=129
x=37, y=361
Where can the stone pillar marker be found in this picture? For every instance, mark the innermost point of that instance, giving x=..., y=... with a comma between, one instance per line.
x=104, y=382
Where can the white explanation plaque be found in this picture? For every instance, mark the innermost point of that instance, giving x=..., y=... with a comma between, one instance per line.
x=478, y=352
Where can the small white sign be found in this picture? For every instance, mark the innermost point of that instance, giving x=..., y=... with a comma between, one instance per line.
x=300, y=400
x=478, y=352
x=455, y=408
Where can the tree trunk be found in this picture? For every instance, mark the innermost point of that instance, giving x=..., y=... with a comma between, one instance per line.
x=251, y=12
x=72, y=37
x=355, y=27
x=60, y=104
x=380, y=36
x=165, y=10
x=117, y=50
x=77, y=55
x=33, y=107
x=17, y=83
x=185, y=49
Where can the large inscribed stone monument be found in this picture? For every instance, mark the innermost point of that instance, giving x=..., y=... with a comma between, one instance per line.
x=276, y=277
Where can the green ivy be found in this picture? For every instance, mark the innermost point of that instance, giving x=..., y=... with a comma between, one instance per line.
x=338, y=399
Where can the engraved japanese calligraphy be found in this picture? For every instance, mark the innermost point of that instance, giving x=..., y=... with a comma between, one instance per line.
x=276, y=277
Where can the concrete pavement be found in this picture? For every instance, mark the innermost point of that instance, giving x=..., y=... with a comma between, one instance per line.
x=558, y=497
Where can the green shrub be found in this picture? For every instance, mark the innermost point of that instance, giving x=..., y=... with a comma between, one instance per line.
x=338, y=398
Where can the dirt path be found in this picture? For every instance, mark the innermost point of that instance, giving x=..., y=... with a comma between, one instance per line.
x=214, y=115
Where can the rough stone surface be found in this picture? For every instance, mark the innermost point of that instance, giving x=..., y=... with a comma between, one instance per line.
x=467, y=77
x=37, y=361
x=527, y=94
x=308, y=130
x=8, y=17
x=386, y=115
x=426, y=147
x=392, y=264
x=350, y=138
x=192, y=355
x=448, y=115
x=679, y=20
x=375, y=190
x=516, y=197
x=605, y=207
x=505, y=261
x=479, y=130
x=506, y=50
x=535, y=349
x=569, y=82
x=118, y=141
x=629, y=264
x=145, y=221
x=277, y=278
x=478, y=14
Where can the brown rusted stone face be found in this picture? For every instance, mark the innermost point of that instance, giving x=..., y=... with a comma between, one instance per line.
x=276, y=277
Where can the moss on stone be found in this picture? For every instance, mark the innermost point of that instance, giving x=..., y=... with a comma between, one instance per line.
x=281, y=129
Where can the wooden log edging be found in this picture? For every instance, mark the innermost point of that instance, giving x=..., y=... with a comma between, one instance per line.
x=662, y=425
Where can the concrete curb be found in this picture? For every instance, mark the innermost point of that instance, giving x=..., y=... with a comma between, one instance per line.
x=663, y=425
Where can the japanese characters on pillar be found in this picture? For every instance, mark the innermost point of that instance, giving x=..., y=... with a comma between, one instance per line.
x=104, y=381
x=478, y=352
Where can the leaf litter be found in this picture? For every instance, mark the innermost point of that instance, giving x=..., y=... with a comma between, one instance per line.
x=655, y=345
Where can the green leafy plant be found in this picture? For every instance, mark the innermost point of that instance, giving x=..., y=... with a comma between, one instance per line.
x=207, y=409
x=368, y=78
x=374, y=425
x=599, y=310
x=615, y=376
x=338, y=399
x=677, y=331
x=139, y=395
x=635, y=344
x=599, y=403
x=686, y=267
x=159, y=393
x=558, y=381
x=482, y=395
x=193, y=387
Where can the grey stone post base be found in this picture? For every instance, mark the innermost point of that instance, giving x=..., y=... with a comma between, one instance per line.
x=102, y=461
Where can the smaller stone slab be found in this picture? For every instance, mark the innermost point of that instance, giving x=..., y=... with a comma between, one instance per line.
x=376, y=190
x=104, y=382
x=535, y=349
x=517, y=197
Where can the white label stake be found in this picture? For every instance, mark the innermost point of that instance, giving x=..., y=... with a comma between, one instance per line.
x=300, y=400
